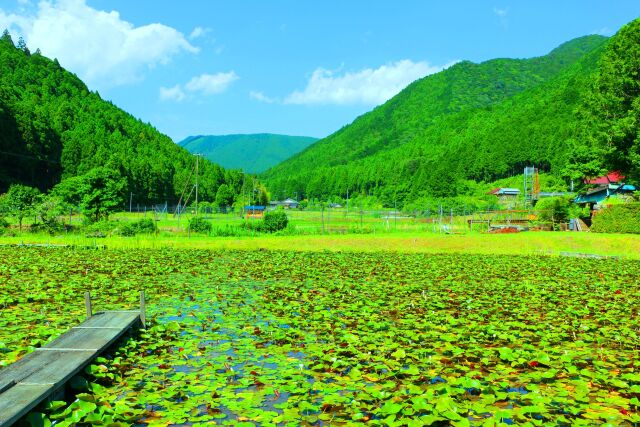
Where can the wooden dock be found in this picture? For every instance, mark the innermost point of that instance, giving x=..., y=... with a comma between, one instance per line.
x=44, y=372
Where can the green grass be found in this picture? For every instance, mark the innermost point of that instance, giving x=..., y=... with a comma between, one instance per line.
x=526, y=243
x=348, y=232
x=310, y=221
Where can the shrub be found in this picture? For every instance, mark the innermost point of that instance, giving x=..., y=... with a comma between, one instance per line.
x=3, y=223
x=127, y=230
x=229, y=231
x=553, y=209
x=618, y=219
x=199, y=225
x=52, y=226
x=254, y=226
x=272, y=222
x=275, y=221
x=145, y=225
x=100, y=228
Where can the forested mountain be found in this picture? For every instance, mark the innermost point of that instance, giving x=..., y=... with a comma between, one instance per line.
x=252, y=153
x=478, y=122
x=52, y=127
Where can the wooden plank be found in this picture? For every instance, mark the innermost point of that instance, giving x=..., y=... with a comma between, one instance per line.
x=36, y=376
x=59, y=366
x=18, y=370
x=19, y=400
x=143, y=310
x=87, y=304
x=112, y=319
x=82, y=338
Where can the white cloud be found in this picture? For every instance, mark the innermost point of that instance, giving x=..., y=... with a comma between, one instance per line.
x=502, y=13
x=368, y=86
x=101, y=47
x=12, y=22
x=604, y=31
x=199, y=32
x=172, y=93
x=211, y=84
x=204, y=84
x=259, y=96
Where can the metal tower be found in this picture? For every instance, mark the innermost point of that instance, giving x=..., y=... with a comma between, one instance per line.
x=531, y=184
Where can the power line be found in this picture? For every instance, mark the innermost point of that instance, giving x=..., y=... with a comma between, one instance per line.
x=30, y=157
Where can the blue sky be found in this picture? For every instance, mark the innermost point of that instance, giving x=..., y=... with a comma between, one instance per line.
x=294, y=67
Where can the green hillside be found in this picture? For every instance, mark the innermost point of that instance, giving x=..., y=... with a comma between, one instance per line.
x=52, y=127
x=471, y=122
x=252, y=153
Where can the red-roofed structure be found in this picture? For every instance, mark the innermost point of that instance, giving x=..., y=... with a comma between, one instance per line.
x=610, y=178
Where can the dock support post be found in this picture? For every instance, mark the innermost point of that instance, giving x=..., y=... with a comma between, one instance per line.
x=87, y=304
x=143, y=314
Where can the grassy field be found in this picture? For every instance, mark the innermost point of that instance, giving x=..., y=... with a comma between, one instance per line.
x=304, y=221
x=526, y=243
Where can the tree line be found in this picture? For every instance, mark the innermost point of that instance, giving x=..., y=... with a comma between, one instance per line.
x=572, y=113
x=55, y=132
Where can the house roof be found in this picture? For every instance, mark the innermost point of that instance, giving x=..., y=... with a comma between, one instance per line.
x=610, y=178
x=505, y=191
x=544, y=194
x=284, y=202
x=255, y=208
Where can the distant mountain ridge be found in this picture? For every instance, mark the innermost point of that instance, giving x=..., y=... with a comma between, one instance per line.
x=252, y=153
x=470, y=122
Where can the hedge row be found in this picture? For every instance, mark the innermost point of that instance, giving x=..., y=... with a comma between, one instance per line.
x=618, y=219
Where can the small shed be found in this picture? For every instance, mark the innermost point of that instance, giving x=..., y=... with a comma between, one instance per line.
x=254, y=211
x=505, y=194
x=290, y=203
x=287, y=203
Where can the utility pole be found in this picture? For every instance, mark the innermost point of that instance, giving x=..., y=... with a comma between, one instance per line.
x=130, y=201
x=197, y=158
x=347, y=200
x=253, y=193
x=244, y=197
x=395, y=215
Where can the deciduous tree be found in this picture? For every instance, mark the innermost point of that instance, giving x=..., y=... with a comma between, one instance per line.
x=21, y=201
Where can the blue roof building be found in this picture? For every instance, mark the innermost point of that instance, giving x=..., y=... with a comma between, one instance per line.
x=602, y=192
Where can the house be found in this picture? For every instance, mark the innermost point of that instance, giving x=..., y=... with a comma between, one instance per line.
x=610, y=178
x=611, y=184
x=253, y=211
x=505, y=194
x=602, y=192
x=287, y=204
